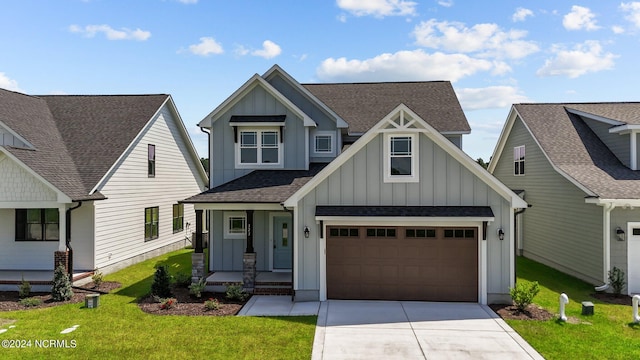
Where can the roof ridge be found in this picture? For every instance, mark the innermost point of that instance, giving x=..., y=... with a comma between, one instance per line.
x=582, y=103
x=379, y=82
x=99, y=95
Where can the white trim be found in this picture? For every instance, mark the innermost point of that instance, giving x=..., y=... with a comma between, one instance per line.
x=226, y=216
x=255, y=80
x=404, y=220
x=415, y=161
x=322, y=250
x=29, y=204
x=593, y=116
x=523, y=160
x=615, y=202
x=306, y=148
x=512, y=249
x=296, y=245
x=340, y=123
x=514, y=200
x=631, y=260
x=633, y=149
x=482, y=267
x=236, y=206
x=624, y=129
x=332, y=140
x=62, y=228
x=61, y=197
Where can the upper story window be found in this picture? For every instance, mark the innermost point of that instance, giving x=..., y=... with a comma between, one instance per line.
x=259, y=147
x=151, y=163
x=37, y=225
x=518, y=160
x=324, y=143
x=401, y=163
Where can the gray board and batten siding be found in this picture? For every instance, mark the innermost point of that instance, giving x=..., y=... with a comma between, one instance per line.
x=559, y=229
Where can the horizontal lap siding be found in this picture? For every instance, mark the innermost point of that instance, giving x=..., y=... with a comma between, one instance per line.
x=559, y=228
x=119, y=229
x=22, y=255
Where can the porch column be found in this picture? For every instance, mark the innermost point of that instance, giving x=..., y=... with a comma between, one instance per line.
x=61, y=256
x=249, y=258
x=197, y=257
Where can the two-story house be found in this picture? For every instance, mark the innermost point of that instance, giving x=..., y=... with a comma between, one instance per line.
x=91, y=182
x=577, y=165
x=353, y=191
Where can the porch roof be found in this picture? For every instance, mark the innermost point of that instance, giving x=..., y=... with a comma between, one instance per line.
x=259, y=186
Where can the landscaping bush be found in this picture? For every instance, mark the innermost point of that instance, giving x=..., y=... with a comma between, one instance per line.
x=196, y=289
x=97, y=277
x=211, y=304
x=61, y=289
x=167, y=304
x=30, y=301
x=161, y=282
x=523, y=294
x=235, y=292
x=616, y=280
x=24, y=289
x=182, y=279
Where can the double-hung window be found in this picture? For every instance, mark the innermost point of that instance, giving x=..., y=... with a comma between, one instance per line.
x=518, y=160
x=259, y=147
x=178, y=217
x=401, y=163
x=151, y=215
x=151, y=160
x=37, y=225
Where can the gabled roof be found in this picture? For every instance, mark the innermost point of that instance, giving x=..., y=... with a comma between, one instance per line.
x=362, y=105
x=76, y=139
x=573, y=149
x=259, y=186
x=412, y=120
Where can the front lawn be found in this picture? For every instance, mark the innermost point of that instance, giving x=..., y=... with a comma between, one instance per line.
x=608, y=334
x=118, y=329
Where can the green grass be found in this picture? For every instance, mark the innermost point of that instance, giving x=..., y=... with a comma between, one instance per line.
x=118, y=329
x=608, y=334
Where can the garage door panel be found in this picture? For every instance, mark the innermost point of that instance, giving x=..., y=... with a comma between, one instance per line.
x=398, y=268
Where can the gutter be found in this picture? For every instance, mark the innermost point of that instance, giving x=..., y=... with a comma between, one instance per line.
x=68, y=240
x=515, y=238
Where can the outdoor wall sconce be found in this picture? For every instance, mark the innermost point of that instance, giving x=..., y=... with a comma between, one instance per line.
x=620, y=233
x=306, y=232
x=500, y=234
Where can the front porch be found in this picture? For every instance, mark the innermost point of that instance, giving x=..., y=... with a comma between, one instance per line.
x=40, y=280
x=266, y=283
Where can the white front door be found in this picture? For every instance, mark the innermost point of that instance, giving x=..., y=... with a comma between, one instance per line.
x=633, y=258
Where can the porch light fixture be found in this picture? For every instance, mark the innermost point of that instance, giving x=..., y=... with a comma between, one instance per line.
x=500, y=234
x=620, y=234
x=306, y=232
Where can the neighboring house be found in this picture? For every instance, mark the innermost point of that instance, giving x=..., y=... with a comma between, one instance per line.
x=577, y=166
x=94, y=179
x=355, y=191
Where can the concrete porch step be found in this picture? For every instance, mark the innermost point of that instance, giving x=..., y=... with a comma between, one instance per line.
x=273, y=290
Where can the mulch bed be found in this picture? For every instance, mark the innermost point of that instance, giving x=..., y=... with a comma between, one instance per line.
x=531, y=312
x=613, y=299
x=190, y=305
x=10, y=301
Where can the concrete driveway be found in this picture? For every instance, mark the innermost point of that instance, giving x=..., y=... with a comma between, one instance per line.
x=414, y=330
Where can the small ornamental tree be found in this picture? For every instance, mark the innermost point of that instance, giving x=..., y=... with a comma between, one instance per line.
x=523, y=294
x=616, y=280
x=61, y=289
x=161, y=283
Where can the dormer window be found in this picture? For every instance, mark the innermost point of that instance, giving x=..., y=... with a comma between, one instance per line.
x=259, y=147
x=324, y=143
x=400, y=160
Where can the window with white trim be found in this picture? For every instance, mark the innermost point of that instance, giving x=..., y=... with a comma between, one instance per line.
x=235, y=225
x=259, y=147
x=324, y=143
x=518, y=160
x=401, y=164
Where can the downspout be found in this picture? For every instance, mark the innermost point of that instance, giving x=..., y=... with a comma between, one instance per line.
x=515, y=240
x=606, y=245
x=68, y=240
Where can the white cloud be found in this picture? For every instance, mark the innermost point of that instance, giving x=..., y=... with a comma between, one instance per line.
x=241, y=50
x=580, y=18
x=583, y=58
x=403, y=66
x=111, y=33
x=521, y=14
x=206, y=47
x=378, y=8
x=445, y=3
x=483, y=39
x=269, y=50
x=8, y=83
x=633, y=12
x=492, y=97
x=617, y=29
x=188, y=1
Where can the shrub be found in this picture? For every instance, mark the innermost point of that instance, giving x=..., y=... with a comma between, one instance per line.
x=161, y=282
x=235, y=292
x=211, y=304
x=523, y=294
x=24, y=289
x=97, y=278
x=616, y=280
x=61, y=289
x=197, y=288
x=167, y=304
x=182, y=279
x=30, y=301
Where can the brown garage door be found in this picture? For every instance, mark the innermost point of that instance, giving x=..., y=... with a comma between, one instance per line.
x=402, y=263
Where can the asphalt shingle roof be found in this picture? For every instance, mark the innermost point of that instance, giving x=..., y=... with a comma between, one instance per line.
x=362, y=105
x=259, y=186
x=419, y=211
x=577, y=151
x=76, y=138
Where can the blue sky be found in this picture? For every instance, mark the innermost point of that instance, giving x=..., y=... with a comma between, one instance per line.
x=495, y=53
